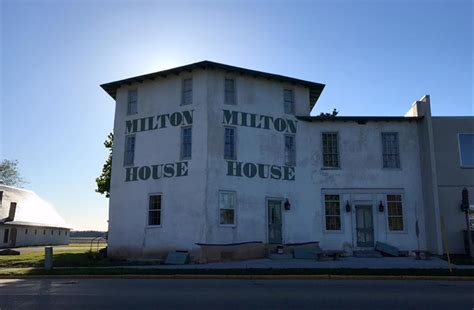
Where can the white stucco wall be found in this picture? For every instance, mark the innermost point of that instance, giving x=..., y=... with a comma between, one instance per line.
x=190, y=211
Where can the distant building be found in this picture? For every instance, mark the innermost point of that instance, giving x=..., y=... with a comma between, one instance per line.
x=214, y=154
x=26, y=219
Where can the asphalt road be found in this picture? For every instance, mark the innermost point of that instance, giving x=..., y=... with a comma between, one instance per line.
x=234, y=294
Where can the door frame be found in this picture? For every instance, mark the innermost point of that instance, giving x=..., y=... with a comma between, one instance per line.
x=280, y=199
x=354, y=227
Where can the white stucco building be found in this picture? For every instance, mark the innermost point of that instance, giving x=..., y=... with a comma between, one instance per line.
x=214, y=154
x=26, y=219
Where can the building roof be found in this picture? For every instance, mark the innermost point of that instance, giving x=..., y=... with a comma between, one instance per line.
x=358, y=119
x=30, y=209
x=315, y=89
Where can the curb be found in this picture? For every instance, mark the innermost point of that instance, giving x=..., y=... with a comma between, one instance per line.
x=246, y=277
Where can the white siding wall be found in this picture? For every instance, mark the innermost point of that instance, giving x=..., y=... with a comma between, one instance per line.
x=31, y=235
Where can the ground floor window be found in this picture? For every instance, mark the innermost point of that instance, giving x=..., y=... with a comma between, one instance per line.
x=154, y=210
x=5, y=235
x=333, y=212
x=395, y=213
x=227, y=208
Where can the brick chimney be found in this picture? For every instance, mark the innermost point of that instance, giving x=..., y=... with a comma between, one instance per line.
x=11, y=214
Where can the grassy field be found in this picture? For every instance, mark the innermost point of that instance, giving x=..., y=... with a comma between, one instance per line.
x=63, y=256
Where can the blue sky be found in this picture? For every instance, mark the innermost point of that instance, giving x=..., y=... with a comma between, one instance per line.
x=375, y=57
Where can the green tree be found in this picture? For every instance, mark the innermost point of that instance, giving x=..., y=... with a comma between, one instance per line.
x=10, y=174
x=103, y=181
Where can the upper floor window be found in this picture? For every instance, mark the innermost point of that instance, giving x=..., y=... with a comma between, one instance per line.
x=187, y=91
x=129, y=150
x=391, y=156
x=229, y=143
x=395, y=212
x=132, y=102
x=330, y=150
x=230, y=97
x=289, y=101
x=466, y=149
x=154, y=210
x=227, y=208
x=186, y=142
x=332, y=208
x=290, y=150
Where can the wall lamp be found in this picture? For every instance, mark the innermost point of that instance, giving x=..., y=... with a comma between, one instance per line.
x=348, y=206
x=287, y=204
x=381, y=206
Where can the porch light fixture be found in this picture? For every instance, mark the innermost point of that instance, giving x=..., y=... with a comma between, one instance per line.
x=380, y=206
x=287, y=204
x=348, y=206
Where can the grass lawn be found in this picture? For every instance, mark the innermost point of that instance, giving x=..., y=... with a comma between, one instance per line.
x=63, y=256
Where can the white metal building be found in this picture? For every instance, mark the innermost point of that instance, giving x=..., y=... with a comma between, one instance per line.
x=26, y=219
x=215, y=154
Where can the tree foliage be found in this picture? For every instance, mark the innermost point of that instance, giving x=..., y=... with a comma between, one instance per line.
x=103, y=181
x=10, y=174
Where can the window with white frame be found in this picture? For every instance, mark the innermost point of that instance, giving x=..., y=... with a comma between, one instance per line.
x=466, y=149
x=395, y=212
x=289, y=101
x=6, y=233
x=187, y=91
x=290, y=150
x=229, y=91
x=391, y=156
x=132, y=102
x=227, y=208
x=229, y=143
x=332, y=208
x=330, y=150
x=186, y=142
x=154, y=210
x=129, y=150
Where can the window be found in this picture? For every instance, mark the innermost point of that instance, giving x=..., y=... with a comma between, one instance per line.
x=187, y=92
x=65, y=232
x=290, y=151
x=60, y=233
x=289, y=101
x=5, y=235
x=154, y=210
x=52, y=232
x=132, y=102
x=36, y=231
x=394, y=211
x=44, y=232
x=26, y=231
x=333, y=212
x=186, y=142
x=330, y=152
x=129, y=150
x=229, y=143
x=230, y=97
x=227, y=208
x=391, y=157
x=466, y=149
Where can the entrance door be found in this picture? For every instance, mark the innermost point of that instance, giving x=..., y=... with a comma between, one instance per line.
x=364, y=226
x=274, y=222
x=13, y=237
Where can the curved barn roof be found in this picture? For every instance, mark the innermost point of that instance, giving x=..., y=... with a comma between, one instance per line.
x=30, y=208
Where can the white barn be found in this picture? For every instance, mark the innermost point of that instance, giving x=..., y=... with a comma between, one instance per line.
x=28, y=220
x=214, y=154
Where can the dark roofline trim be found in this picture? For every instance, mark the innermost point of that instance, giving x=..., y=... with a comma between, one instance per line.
x=359, y=119
x=31, y=224
x=315, y=89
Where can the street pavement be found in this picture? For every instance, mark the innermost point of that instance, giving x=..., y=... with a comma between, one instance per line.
x=79, y=293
